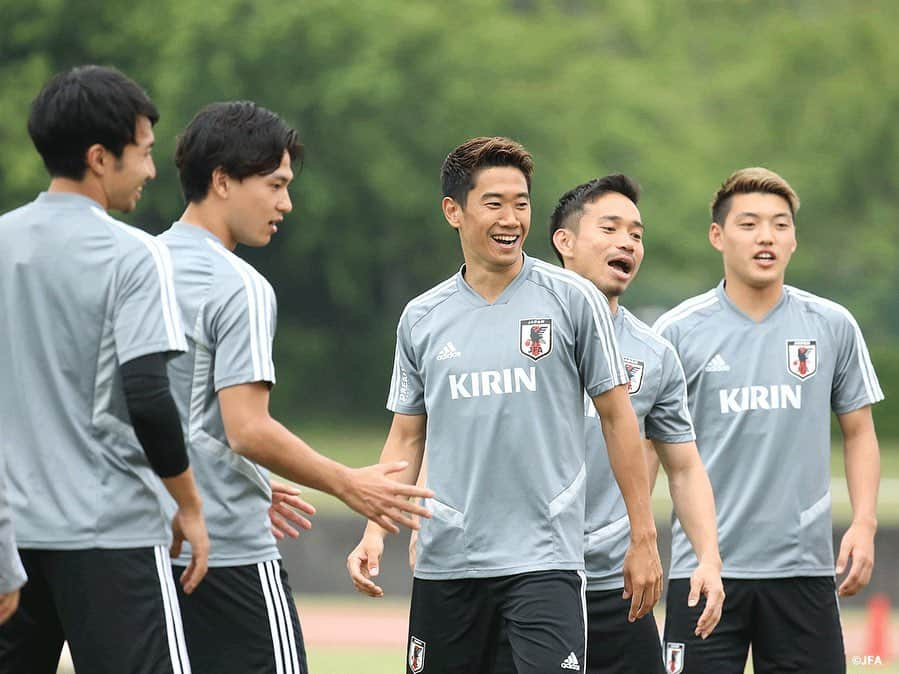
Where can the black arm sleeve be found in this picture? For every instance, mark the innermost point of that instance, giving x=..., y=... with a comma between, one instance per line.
x=153, y=414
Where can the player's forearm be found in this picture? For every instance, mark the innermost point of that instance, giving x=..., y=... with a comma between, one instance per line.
x=184, y=490
x=694, y=504
x=862, y=457
x=652, y=464
x=268, y=443
x=628, y=464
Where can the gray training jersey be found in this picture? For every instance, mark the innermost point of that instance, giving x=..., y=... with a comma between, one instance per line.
x=502, y=385
x=12, y=573
x=81, y=293
x=761, y=394
x=229, y=310
x=658, y=393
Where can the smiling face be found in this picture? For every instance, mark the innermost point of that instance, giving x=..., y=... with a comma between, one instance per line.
x=607, y=246
x=495, y=220
x=123, y=184
x=756, y=240
x=257, y=204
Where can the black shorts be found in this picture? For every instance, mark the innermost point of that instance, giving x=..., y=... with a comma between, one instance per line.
x=117, y=609
x=793, y=625
x=243, y=619
x=455, y=625
x=614, y=645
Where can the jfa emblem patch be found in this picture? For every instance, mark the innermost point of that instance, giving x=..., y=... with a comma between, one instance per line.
x=802, y=357
x=416, y=655
x=536, y=337
x=634, y=374
x=674, y=657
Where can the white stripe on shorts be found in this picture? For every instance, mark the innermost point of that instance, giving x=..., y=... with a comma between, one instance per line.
x=280, y=596
x=583, y=577
x=173, y=628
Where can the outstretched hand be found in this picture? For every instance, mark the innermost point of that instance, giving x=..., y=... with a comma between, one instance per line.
x=374, y=494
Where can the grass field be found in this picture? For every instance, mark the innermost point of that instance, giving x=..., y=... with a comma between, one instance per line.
x=388, y=661
x=361, y=445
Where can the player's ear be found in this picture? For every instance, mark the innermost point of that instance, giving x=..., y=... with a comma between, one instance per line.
x=563, y=239
x=452, y=211
x=97, y=159
x=715, y=235
x=220, y=182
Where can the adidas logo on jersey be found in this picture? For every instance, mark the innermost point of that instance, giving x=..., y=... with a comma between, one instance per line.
x=492, y=382
x=774, y=397
x=447, y=352
x=717, y=364
x=571, y=662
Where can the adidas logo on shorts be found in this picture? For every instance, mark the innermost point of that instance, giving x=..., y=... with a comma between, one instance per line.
x=571, y=662
x=717, y=364
x=448, y=351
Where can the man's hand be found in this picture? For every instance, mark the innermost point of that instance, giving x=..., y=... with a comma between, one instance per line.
x=188, y=524
x=706, y=580
x=9, y=602
x=374, y=494
x=642, y=576
x=285, y=511
x=362, y=564
x=856, y=554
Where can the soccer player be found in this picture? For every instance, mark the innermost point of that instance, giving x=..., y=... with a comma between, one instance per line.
x=490, y=372
x=12, y=573
x=765, y=365
x=235, y=164
x=88, y=322
x=596, y=231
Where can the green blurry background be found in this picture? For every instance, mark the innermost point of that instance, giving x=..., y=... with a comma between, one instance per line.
x=678, y=94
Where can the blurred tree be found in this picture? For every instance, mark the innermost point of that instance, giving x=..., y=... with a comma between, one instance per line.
x=677, y=95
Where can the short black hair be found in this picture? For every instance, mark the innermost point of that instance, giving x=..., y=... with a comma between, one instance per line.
x=82, y=107
x=461, y=166
x=240, y=137
x=567, y=213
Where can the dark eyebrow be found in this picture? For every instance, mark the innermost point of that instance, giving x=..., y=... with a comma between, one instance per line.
x=283, y=176
x=618, y=218
x=748, y=214
x=497, y=195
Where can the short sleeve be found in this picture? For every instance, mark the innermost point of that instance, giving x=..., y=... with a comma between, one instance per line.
x=855, y=383
x=242, y=333
x=146, y=318
x=669, y=418
x=666, y=330
x=406, y=394
x=596, y=350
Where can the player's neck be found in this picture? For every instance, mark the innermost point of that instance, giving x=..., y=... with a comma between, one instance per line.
x=613, y=303
x=201, y=215
x=86, y=188
x=490, y=282
x=754, y=302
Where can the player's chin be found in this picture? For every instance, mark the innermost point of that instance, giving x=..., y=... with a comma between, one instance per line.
x=259, y=241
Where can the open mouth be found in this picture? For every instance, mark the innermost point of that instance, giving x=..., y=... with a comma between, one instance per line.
x=765, y=257
x=506, y=240
x=622, y=265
